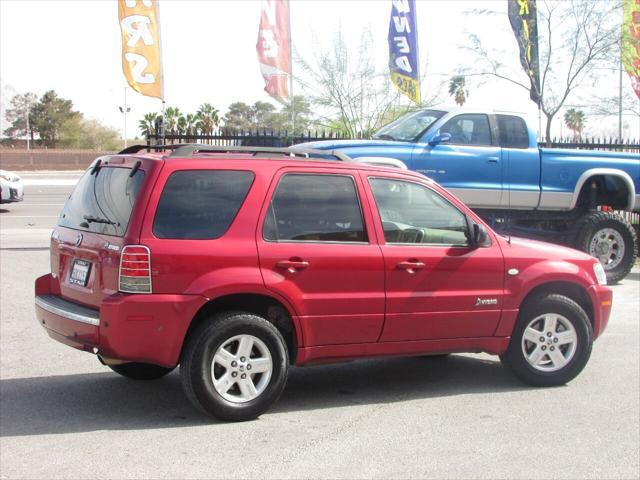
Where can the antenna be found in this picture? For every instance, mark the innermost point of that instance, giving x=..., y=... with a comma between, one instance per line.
x=508, y=219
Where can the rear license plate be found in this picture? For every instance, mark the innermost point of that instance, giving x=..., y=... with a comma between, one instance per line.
x=80, y=272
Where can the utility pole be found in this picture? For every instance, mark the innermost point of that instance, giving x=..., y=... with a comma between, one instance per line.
x=124, y=110
x=293, y=113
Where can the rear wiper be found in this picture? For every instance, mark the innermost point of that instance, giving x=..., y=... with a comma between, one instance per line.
x=92, y=219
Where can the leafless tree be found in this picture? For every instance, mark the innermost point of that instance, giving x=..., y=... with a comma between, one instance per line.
x=575, y=37
x=354, y=96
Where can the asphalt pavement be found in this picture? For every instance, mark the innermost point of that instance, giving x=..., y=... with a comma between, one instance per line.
x=63, y=415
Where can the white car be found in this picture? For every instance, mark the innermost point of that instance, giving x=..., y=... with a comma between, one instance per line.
x=11, y=187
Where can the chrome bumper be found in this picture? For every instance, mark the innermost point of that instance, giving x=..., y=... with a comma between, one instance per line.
x=69, y=310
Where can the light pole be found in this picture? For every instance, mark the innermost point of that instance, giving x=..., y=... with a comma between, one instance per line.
x=124, y=110
x=28, y=136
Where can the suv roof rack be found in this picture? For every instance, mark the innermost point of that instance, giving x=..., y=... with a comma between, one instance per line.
x=189, y=149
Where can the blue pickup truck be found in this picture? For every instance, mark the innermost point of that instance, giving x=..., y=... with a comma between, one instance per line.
x=491, y=161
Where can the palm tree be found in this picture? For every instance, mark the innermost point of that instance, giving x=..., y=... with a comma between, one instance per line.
x=207, y=118
x=457, y=89
x=192, y=121
x=181, y=125
x=147, y=124
x=171, y=115
x=575, y=120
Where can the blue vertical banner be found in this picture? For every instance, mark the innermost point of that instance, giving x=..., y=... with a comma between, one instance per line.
x=403, y=48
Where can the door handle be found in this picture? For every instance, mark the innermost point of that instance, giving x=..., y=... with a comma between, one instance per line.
x=411, y=266
x=493, y=159
x=293, y=265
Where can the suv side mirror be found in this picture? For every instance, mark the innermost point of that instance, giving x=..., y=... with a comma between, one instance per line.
x=480, y=236
x=440, y=138
x=477, y=234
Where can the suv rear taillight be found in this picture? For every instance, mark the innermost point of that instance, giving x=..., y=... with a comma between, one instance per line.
x=135, y=269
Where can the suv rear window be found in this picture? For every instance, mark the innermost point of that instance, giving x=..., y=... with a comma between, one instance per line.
x=102, y=202
x=200, y=204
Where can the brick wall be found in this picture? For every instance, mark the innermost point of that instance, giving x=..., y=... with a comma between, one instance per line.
x=52, y=159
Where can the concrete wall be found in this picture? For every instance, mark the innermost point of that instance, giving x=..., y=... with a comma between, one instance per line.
x=54, y=159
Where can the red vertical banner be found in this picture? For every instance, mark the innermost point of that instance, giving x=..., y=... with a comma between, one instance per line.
x=274, y=47
x=630, y=50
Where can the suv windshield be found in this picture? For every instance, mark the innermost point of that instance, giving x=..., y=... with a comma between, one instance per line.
x=409, y=127
x=102, y=202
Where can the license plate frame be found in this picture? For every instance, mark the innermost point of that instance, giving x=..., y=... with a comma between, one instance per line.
x=80, y=272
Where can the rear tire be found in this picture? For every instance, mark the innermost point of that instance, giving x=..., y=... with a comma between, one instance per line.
x=140, y=371
x=610, y=238
x=234, y=366
x=551, y=342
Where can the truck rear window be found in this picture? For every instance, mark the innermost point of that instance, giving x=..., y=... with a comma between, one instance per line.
x=102, y=202
x=513, y=132
x=200, y=204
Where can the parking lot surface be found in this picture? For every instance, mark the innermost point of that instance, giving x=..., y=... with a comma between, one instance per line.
x=63, y=415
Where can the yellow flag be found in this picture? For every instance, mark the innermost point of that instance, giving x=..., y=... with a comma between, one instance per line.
x=141, y=55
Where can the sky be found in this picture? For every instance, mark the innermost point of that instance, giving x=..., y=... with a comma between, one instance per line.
x=209, y=52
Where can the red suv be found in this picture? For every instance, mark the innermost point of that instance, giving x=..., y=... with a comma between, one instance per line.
x=235, y=263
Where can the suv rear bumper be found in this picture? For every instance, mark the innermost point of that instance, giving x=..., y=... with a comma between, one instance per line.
x=146, y=328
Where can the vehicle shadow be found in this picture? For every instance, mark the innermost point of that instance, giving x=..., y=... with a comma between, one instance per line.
x=105, y=401
x=632, y=276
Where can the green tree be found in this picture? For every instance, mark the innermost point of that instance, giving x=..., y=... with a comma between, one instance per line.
x=575, y=120
x=301, y=109
x=48, y=116
x=457, y=89
x=263, y=115
x=17, y=115
x=171, y=115
x=239, y=116
x=191, y=123
x=181, y=125
x=208, y=118
x=78, y=132
x=147, y=124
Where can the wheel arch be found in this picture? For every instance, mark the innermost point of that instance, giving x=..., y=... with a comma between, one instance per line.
x=574, y=291
x=601, y=175
x=268, y=307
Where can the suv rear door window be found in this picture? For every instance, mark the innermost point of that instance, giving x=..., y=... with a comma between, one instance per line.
x=200, y=204
x=102, y=202
x=315, y=208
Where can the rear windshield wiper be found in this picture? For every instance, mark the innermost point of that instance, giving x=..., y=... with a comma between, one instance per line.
x=92, y=219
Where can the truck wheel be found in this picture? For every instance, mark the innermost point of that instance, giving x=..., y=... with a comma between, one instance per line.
x=551, y=342
x=140, y=371
x=234, y=366
x=611, y=239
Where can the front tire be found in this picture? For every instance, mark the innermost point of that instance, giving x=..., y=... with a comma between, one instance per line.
x=140, y=371
x=611, y=239
x=551, y=342
x=234, y=366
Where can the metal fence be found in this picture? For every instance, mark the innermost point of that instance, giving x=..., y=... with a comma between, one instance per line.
x=256, y=138
x=268, y=138
x=594, y=143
